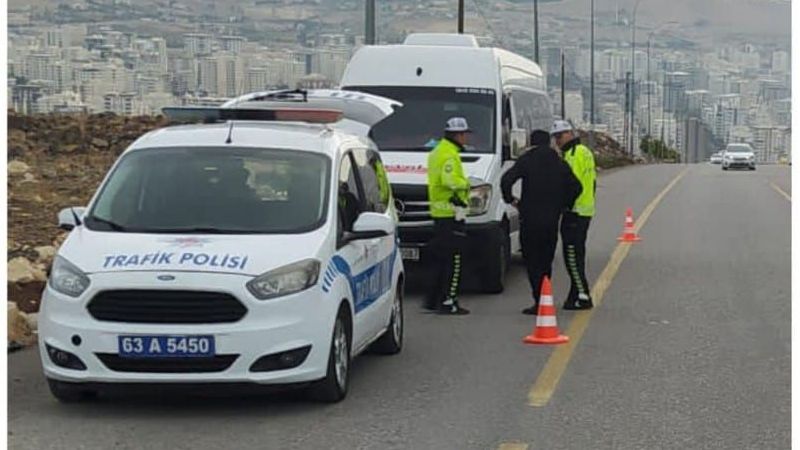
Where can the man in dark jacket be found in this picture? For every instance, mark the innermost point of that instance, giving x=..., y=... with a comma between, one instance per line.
x=548, y=188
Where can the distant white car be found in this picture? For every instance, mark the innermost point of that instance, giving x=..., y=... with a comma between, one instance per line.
x=739, y=156
x=716, y=158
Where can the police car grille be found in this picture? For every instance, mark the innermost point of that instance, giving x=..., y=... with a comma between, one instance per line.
x=414, y=201
x=167, y=365
x=151, y=306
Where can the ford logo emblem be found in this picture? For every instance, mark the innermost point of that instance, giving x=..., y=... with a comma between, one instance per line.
x=166, y=277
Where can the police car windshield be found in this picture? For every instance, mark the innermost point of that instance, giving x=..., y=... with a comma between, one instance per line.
x=419, y=124
x=738, y=149
x=214, y=190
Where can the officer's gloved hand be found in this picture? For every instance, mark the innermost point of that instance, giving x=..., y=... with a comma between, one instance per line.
x=458, y=202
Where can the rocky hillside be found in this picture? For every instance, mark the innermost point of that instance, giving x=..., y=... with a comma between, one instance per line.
x=57, y=161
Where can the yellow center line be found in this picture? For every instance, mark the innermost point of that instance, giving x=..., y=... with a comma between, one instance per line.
x=781, y=191
x=547, y=382
x=513, y=446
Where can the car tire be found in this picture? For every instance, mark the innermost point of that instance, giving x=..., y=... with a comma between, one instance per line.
x=495, y=273
x=391, y=343
x=333, y=388
x=724, y=168
x=69, y=392
x=752, y=168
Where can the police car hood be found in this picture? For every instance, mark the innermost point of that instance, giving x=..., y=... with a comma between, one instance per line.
x=412, y=167
x=250, y=255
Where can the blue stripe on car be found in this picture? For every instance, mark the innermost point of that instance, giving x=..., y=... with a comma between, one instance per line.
x=367, y=286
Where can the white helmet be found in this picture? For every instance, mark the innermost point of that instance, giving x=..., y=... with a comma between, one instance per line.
x=457, y=125
x=560, y=126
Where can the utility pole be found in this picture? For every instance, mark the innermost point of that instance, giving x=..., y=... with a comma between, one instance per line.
x=536, y=31
x=649, y=91
x=626, y=126
x=591, y=68
x=663, y=100
x=563, y=88
x=460, y=16
x=634, y=132
x=369, y=23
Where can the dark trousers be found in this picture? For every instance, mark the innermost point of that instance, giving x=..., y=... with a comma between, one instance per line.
x=538, y=241
x=574, y=229
x=447, y=248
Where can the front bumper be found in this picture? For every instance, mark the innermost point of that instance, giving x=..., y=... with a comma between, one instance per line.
x=479, y=244
x=268, y=327
x=744, y=164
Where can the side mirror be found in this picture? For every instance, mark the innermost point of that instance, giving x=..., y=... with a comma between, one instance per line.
x=519, y=142
x=370, y=225
x=70, y=218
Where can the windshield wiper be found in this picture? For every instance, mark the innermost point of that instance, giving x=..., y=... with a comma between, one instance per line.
x=113, y=225
x=405, y=149
x=199, y=230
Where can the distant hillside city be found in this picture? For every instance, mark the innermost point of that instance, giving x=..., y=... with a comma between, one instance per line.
x=136, y=57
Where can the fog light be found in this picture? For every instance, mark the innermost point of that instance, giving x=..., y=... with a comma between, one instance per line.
x=64, y=359
x=281, y=361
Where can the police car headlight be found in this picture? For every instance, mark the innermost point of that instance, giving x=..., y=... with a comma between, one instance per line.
x=285, y=280
x=67, y=279
x=479, y=197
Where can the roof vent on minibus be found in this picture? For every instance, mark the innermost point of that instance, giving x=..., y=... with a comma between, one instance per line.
x=442, y=39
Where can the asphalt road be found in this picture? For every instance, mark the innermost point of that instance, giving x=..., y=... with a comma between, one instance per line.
x=690, y=348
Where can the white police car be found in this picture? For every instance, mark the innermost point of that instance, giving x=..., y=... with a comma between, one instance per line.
x=260, y=249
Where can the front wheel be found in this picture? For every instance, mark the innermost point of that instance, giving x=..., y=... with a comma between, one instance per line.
x=495, y=273
x=333, y=388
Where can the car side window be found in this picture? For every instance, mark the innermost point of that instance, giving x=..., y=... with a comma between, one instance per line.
x=373, y=180
x=349, y=199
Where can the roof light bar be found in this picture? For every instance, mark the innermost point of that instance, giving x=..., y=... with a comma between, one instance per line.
x=212, y=115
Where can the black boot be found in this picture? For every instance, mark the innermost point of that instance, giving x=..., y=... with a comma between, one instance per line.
x=531, y=310
x=452, y=308
x=578, y=304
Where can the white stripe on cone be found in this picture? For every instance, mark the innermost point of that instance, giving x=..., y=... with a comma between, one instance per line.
x=546, y=321
x=547, y=300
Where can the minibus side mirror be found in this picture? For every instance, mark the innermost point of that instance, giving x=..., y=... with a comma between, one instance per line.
x=519, y=142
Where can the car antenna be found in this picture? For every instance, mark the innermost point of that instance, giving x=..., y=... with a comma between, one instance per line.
x=229, y=140
x=78, y=221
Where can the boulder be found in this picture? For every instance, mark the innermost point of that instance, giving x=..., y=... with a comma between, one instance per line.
x=33, y=321
x=19, y=330
x=21, y=271
x=17, y=168
x=99, y=143
x=46, y=253
x=72, y=148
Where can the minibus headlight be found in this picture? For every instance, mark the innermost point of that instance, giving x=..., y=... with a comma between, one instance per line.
x=479, y=198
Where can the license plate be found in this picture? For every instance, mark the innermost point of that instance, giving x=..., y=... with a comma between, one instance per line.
x=165, y=346
x=409, y=253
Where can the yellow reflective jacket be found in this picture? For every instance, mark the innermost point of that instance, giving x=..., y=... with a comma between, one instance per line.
x=446, y=180
x=581, y=160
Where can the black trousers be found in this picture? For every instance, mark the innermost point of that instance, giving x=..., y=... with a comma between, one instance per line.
x=447, y=248
x=574, y=229
x=538, y=240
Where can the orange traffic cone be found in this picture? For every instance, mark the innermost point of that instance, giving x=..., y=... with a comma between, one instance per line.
x=546, y=330
x=629, y=233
